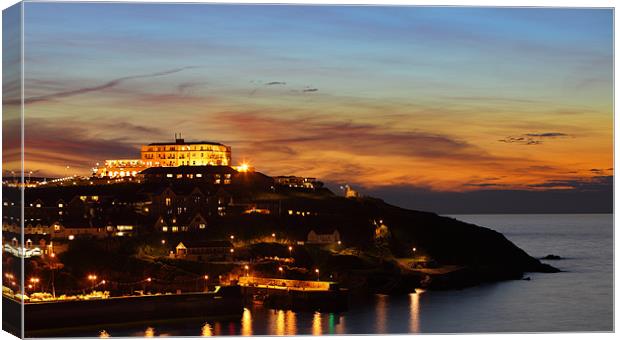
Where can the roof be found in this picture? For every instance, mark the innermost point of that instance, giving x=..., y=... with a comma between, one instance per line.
x=186, y=143
x=206, y=244
x=188, y=169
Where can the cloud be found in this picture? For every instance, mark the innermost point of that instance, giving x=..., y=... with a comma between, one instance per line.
x=310, y=89
x=596, y=183
x=51, y=145
x=275, y=83
x=532, y=138
x=109, y=84
x=184, y=88
x=547, y=134
x=580, y=195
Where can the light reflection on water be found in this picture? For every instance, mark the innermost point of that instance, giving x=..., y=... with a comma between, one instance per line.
x=259, y=320
x=414, y=311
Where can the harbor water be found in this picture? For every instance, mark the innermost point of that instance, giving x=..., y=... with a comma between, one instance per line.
x=578, y=299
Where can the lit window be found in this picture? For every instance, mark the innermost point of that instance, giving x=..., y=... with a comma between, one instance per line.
x=164, y=229
x=124, y=227
x=290, y=212
x=168, y=201
x=38, y=205
x=60, y=205
x=198, y=175
x=175, y=229
x=202, y=226
x=71, y=237
x=169, y=175
x=56, y=227
x=179, y=175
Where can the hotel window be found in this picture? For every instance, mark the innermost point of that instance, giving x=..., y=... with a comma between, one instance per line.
x=164, y=229
x=227, y=175
x=175, y=229
x=202, y=226
x=198, y=175
x=60, y=205
x=168, y=201
x=179, y=175
x=217, y=181
x=169, y=175
x=56, y=227
x=38, y=205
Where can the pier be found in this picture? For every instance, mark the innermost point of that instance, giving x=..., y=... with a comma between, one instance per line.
x=294, y=294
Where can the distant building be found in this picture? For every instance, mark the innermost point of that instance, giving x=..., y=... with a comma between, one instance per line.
x=314, y=238
x=298, y=182
x=350, y=192
x=185, y=153
x=173, y=154
x=115, y=168
x=203, y=250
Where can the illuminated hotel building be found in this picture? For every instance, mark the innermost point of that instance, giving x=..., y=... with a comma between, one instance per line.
x=173, y=154
x=185, y=153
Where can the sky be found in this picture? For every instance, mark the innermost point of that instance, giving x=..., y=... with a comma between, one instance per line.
x=396, y=101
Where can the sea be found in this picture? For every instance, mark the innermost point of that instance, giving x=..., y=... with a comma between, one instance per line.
x=578, y=299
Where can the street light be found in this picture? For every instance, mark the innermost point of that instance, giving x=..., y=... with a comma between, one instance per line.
x=163, y=241
x=290, y=251
x=92, y=278
x=33, y=281
x=247, y=270
x=317, y=274
x=232, y=237
x=281, y=270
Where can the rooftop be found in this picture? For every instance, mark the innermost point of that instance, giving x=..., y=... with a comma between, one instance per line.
x=183, y=142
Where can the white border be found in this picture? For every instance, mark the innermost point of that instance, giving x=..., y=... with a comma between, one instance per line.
x=488, y=3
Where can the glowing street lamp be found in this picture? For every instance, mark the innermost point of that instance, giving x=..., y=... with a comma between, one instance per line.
x=92, y=278
x=290, y=251
x=247, y=270
x=244, y=167
x=148, y=279
x=317, y=274
x=33, y=281
x=163, y=241
x=281, y=270
x=274, y=236
x=232, y=238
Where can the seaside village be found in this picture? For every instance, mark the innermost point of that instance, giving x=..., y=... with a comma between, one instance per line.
x=176, y=192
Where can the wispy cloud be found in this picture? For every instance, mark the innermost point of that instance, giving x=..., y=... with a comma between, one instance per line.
x=532, y=138
x=83, y=90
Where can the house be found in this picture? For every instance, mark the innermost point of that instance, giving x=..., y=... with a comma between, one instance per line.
x=204, y=250
x=315, y=238
x=181, y=223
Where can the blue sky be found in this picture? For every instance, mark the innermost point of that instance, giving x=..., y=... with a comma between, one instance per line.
x=380, y=95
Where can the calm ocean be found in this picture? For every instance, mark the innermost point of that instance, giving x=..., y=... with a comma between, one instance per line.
x=578, y=299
